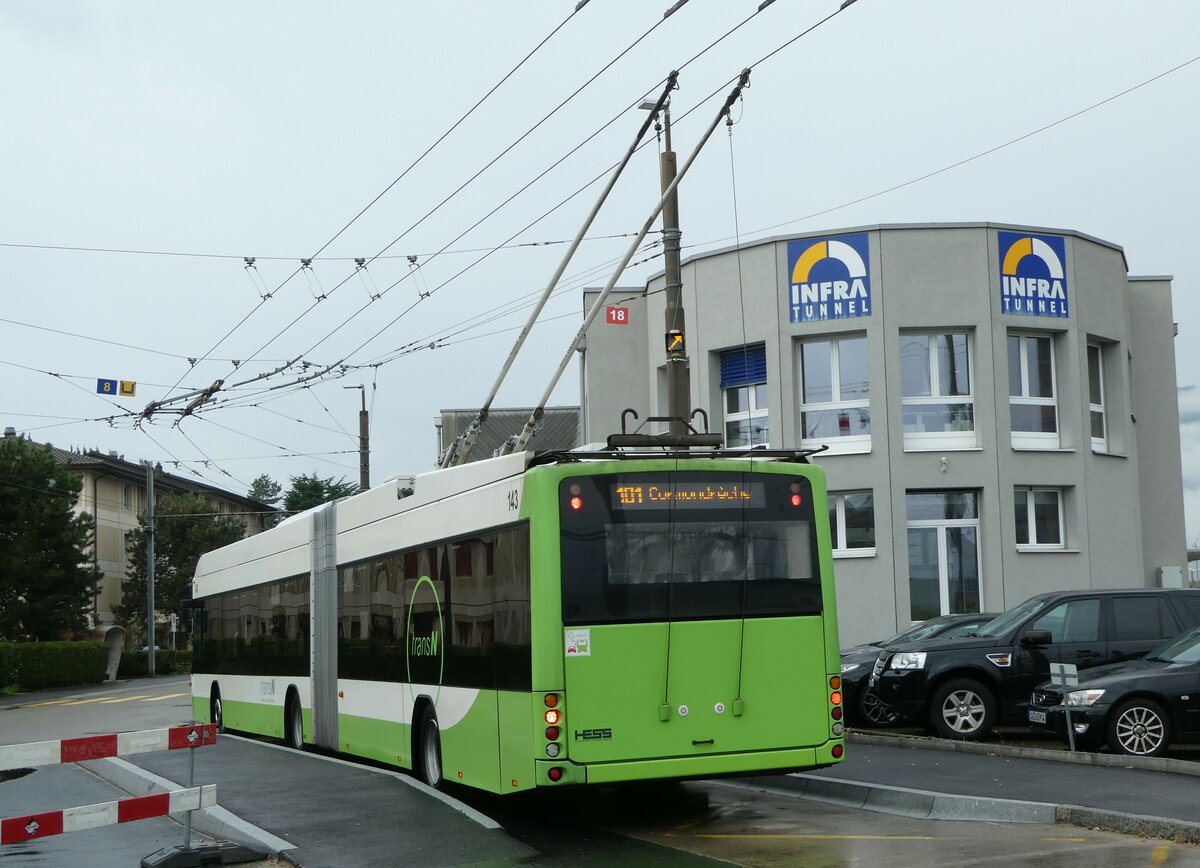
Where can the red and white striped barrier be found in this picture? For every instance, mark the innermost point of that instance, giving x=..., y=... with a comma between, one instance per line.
x=74, y=750
x=18, y=829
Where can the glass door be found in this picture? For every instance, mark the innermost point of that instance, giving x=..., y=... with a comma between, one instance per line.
x=943, y=553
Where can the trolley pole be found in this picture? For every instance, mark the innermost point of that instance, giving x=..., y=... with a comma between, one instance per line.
x=678, y=377
x=150, y=568
x=364, y=441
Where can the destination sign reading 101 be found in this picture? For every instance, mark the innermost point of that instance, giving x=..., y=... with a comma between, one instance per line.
x=687, y=495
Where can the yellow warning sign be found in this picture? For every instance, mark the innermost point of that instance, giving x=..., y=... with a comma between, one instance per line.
x=128, y=388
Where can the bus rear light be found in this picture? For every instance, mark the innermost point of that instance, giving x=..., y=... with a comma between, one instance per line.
x=837, y=751
x=836, y=697
x=576, y=503
x=836, y=714
x=835, y=682
x=551, y=700
x=555, y=774
x=797, y=500
x=552, y=733
x=553, y=749
x=553, y=716
x=838, y=729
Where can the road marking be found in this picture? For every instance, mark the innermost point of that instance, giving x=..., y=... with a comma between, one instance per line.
x=1161, y=852
x=48, y=702
x=83, y=701
x=814, y=837
x=126, y=698
x=165, y=696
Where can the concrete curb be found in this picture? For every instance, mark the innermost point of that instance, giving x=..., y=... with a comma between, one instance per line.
x=1086, y=758
x=903, y=801
x=1179, y=831
x=216, y=822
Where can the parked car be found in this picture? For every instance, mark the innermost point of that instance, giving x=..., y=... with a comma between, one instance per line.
x=964, y=687
x=863, y=702
x=1137, y=707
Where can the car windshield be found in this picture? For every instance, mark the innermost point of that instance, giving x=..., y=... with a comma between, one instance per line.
x=918, y=631
x=1181, y=649
x=1012, y=617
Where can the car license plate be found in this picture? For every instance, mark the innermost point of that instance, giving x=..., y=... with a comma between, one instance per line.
x=1037, y=717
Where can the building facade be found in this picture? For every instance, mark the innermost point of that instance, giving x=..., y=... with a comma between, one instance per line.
x=114, y=492
x=997, y=404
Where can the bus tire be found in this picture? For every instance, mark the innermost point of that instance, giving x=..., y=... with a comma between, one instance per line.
x=428, y=763
x=293, y=722
x=216, y=713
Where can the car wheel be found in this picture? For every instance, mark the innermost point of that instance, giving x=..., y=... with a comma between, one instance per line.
x=1139, y=727
x=429, y=749
x=293, y=723
x=873, y=711
x=962, y=708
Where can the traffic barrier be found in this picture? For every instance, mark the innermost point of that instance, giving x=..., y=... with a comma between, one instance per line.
x=17, y=830
x=74, y=750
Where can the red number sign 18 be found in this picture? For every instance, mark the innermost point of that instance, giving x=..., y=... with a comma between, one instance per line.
x=617, y=315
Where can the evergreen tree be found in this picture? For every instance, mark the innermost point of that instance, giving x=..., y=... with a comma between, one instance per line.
x=185, y=527
x=47, y=575
x=309, y=491
x=266, y=490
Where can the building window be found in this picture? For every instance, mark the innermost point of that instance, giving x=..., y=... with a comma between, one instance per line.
x=943, y=553
x=835, y=393
x=935, y=379
x=744, y=393
x=852, y=523
x=1039, y=519
x=1096, y=398
x=127, y=496
x=1031, y=391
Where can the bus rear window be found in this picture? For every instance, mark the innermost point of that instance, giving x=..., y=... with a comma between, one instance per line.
x=687, y=546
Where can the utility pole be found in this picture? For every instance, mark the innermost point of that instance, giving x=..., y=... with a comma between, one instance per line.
x=364, y=442
x=150, y=568
x=678, y=377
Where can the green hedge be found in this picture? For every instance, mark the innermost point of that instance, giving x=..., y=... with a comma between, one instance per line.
x=9, y=661
x=60, y=664
x=166, y=662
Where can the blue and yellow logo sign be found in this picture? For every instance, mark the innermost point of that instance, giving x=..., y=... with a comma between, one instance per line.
x=1033, y=275
x=829, y=278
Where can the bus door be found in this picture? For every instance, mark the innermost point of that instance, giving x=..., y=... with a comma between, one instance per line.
x=692, y=610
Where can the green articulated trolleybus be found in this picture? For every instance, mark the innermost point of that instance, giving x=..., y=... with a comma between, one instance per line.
x=539, y=621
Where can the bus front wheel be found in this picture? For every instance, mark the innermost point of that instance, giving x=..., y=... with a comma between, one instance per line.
x=429, y=749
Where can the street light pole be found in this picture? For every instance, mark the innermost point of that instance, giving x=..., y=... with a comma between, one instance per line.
x=364, y=442
x=678, y=376
x=150, y=568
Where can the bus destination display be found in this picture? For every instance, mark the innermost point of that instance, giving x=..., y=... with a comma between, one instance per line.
x=687, y=495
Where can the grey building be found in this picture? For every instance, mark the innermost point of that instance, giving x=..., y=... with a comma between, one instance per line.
x=998, y=403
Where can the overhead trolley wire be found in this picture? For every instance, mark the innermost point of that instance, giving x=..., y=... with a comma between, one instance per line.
x=368, y=206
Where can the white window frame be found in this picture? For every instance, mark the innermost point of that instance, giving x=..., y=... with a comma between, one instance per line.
x=932, y=440
x=856, y=443
x=942, y=525
x=1099, y=444
x=1032, y=544
x=837, y=500
x=1035, y=439
x=748, y=415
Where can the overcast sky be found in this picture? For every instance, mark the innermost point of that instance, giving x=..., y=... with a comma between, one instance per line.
x=262, y=129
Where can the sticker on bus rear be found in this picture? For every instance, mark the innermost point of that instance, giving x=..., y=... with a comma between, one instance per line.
x=579, y=643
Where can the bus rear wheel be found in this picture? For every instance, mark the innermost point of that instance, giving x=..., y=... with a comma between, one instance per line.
x=293, y=723
x=429, y=749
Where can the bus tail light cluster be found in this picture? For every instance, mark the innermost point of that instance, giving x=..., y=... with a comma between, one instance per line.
x=553, y=717
x=836, y=712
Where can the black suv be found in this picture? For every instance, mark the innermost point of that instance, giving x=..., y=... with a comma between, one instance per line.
x=963, y=687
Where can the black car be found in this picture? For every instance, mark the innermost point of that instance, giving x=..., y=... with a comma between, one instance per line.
x=862, y=702
x=964, y=687
x=1138, y=707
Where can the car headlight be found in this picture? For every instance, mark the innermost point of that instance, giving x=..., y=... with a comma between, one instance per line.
x=1078, y=698
x=908, y=660
x=847, y=668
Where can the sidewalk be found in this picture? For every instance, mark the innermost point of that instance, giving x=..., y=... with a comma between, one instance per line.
x=1124, y=799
